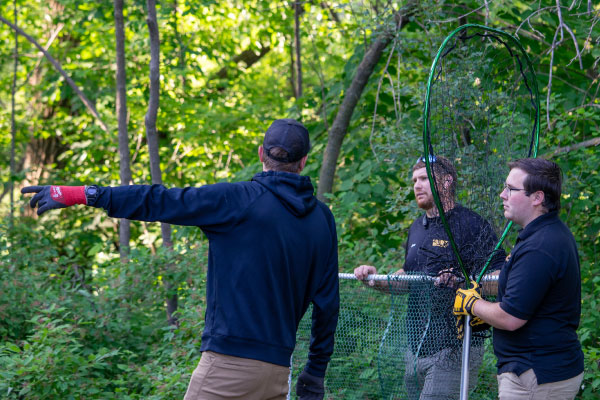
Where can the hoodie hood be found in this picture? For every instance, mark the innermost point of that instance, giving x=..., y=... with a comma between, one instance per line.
x=294, y=191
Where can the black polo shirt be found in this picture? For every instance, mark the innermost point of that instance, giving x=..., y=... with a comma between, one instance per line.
x=431, y=326
x=541, y=283
x=428, y=249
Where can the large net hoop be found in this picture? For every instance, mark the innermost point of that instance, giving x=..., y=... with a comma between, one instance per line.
x=481, y=111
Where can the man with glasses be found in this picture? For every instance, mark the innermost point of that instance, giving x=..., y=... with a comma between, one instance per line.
x=432, y=364
x=538, y=306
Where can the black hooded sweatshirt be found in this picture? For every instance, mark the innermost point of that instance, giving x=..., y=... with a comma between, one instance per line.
x=272, y=252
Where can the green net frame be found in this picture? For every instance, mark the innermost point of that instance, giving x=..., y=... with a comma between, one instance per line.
x=513, y=47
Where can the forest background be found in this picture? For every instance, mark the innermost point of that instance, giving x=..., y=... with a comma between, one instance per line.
x=181, y=93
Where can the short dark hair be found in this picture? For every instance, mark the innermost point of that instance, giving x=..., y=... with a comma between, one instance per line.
x=542, y=175
x=441, y=166
x=275, y=165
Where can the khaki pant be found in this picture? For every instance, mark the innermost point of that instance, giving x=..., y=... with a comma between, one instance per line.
x=219, y=377
x=525, y=387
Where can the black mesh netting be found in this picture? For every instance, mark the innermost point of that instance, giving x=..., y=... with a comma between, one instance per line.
x=482, y=112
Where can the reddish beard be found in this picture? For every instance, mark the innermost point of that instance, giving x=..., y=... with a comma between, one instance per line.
x=425, y=203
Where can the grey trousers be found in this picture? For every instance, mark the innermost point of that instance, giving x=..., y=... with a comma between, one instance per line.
x=437, y=377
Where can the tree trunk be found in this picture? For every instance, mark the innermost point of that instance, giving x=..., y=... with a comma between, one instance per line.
x=121, y=108
x=293, y=70
x=297, y=13
x=152, y=137
x=339, y=128
x=13, y=126
x=181, y=51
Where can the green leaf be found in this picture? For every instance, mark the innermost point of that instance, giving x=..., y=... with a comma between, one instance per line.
x=12, y=347
x=346, y=185
x=364, y=188
x=95, y=249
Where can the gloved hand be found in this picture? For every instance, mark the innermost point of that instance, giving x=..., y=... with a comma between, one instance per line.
x=448, y=278
x=51, y=197
x=477, y=325
x=466, y=298
x=310, y=387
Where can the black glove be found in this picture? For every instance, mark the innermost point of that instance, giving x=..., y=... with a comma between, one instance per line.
x=310, y=387
x=52, y=197
x=477, y=325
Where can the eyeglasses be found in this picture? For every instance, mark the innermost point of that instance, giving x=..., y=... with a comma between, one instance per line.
x=511, y=189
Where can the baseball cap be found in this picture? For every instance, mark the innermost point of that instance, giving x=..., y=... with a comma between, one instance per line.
x=291, y=136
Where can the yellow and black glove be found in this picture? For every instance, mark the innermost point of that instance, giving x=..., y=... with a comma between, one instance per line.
x=466, y=298
x=477, y=325
x=463, y=305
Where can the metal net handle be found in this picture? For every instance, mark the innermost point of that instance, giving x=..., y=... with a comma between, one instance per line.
x=407, y=278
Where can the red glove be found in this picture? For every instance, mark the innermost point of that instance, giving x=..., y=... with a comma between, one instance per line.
x=52, y=197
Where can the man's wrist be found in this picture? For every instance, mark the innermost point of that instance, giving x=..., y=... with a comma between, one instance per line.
x=67, y=195
x=473, y=311
x=471, y=304
x=91, y=194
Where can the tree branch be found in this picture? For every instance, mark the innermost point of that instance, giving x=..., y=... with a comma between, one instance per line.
x=332, y=12
x=550, y=79
x=90, y=106
x=562, y=25
x=573, y=147
x=528, y=20
x=386, y=74
x=52, y=38
x=319, y=71
x=248, y=57
x=459, y=17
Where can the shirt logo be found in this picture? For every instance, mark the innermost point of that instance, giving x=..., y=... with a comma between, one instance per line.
x=439, y=243
x=413, y=245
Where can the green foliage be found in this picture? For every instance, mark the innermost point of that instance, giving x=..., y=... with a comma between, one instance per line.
x=96, y=327
x=580, y=209
x=98, y=338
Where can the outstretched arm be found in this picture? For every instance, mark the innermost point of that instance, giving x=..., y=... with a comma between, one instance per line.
x=192, y=206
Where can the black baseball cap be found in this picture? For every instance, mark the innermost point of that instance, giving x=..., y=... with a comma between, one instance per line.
x=291, y=136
